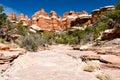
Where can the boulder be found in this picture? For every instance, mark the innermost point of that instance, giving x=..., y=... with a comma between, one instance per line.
x=14, y=36
x=4, y=47
x=76, y=47
x=110, y=34
x=86, y=47
x=35, y=27
x=32, y=30
x=9, y=56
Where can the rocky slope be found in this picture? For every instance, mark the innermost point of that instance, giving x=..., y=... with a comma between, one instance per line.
x=60, y=62
x=54, y=22
x=108, y=53
x=97, y=60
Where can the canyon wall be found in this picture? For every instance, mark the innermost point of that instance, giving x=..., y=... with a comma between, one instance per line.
x=52, y=21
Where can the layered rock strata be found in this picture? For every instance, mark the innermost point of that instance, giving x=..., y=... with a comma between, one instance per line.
x=52, y=21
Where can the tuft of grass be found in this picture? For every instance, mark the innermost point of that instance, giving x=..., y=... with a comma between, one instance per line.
x=103, y=76
x=90, y=66
x=2, y=40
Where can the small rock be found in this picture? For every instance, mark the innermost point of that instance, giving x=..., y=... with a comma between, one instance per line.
x=90, y=57
x=4, y=47
x=76, y=48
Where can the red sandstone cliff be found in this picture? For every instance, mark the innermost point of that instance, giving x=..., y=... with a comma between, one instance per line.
x=12, y=16
x=26, y=21
x=53, y=22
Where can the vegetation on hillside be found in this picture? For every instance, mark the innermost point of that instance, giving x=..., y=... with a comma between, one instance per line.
x=106, y=20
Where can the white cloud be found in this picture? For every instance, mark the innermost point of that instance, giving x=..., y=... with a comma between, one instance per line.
x=9, y=10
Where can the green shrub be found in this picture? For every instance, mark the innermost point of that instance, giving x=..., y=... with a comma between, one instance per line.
x=59, y=40
x=72, y=41
x=2, y=40
x=47, y=37
x=22, y=30
x=30, y=43
x=118, y=5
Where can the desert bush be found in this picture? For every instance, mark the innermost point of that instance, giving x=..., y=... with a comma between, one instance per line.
x=107, y=20
x=48, y=38
x=2, y=40
x=59, y=40
x=22, y=30
x=90, y=66
x=30, y=43
x=118, y=5
x=103, y=76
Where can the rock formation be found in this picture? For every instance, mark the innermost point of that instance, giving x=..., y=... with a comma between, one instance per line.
x=97, y=12
x=45, y=21
x=4, y=47
x=54, y=22
x=25, y=20
x=110, y=34
x=12, y=16
x=83, y=20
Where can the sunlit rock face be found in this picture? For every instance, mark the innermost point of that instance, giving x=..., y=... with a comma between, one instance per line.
x=41, y=19
x=74, y=15
x=25, y=20
x=21, y=18
x=71, y=16
x=49, y=21
x=12, y=16
x=95, y=14
x=53, y=22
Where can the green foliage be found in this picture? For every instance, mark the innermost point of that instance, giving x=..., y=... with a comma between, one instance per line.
x=115, y=16
x=4, y=22
x=118, y=5
x=1, y=9
x=3, y=16
x=22, y=30
x=68, y=37
x=29, y=42
x=107, y=20
x=2, y=40
x=47, y=38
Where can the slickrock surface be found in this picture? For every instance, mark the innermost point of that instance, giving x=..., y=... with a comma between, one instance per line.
x=47, y=65
x=108, y=53
x=60, y=62
x=110, y=59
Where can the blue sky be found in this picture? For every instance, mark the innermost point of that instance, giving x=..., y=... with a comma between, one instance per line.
x=29, y=7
